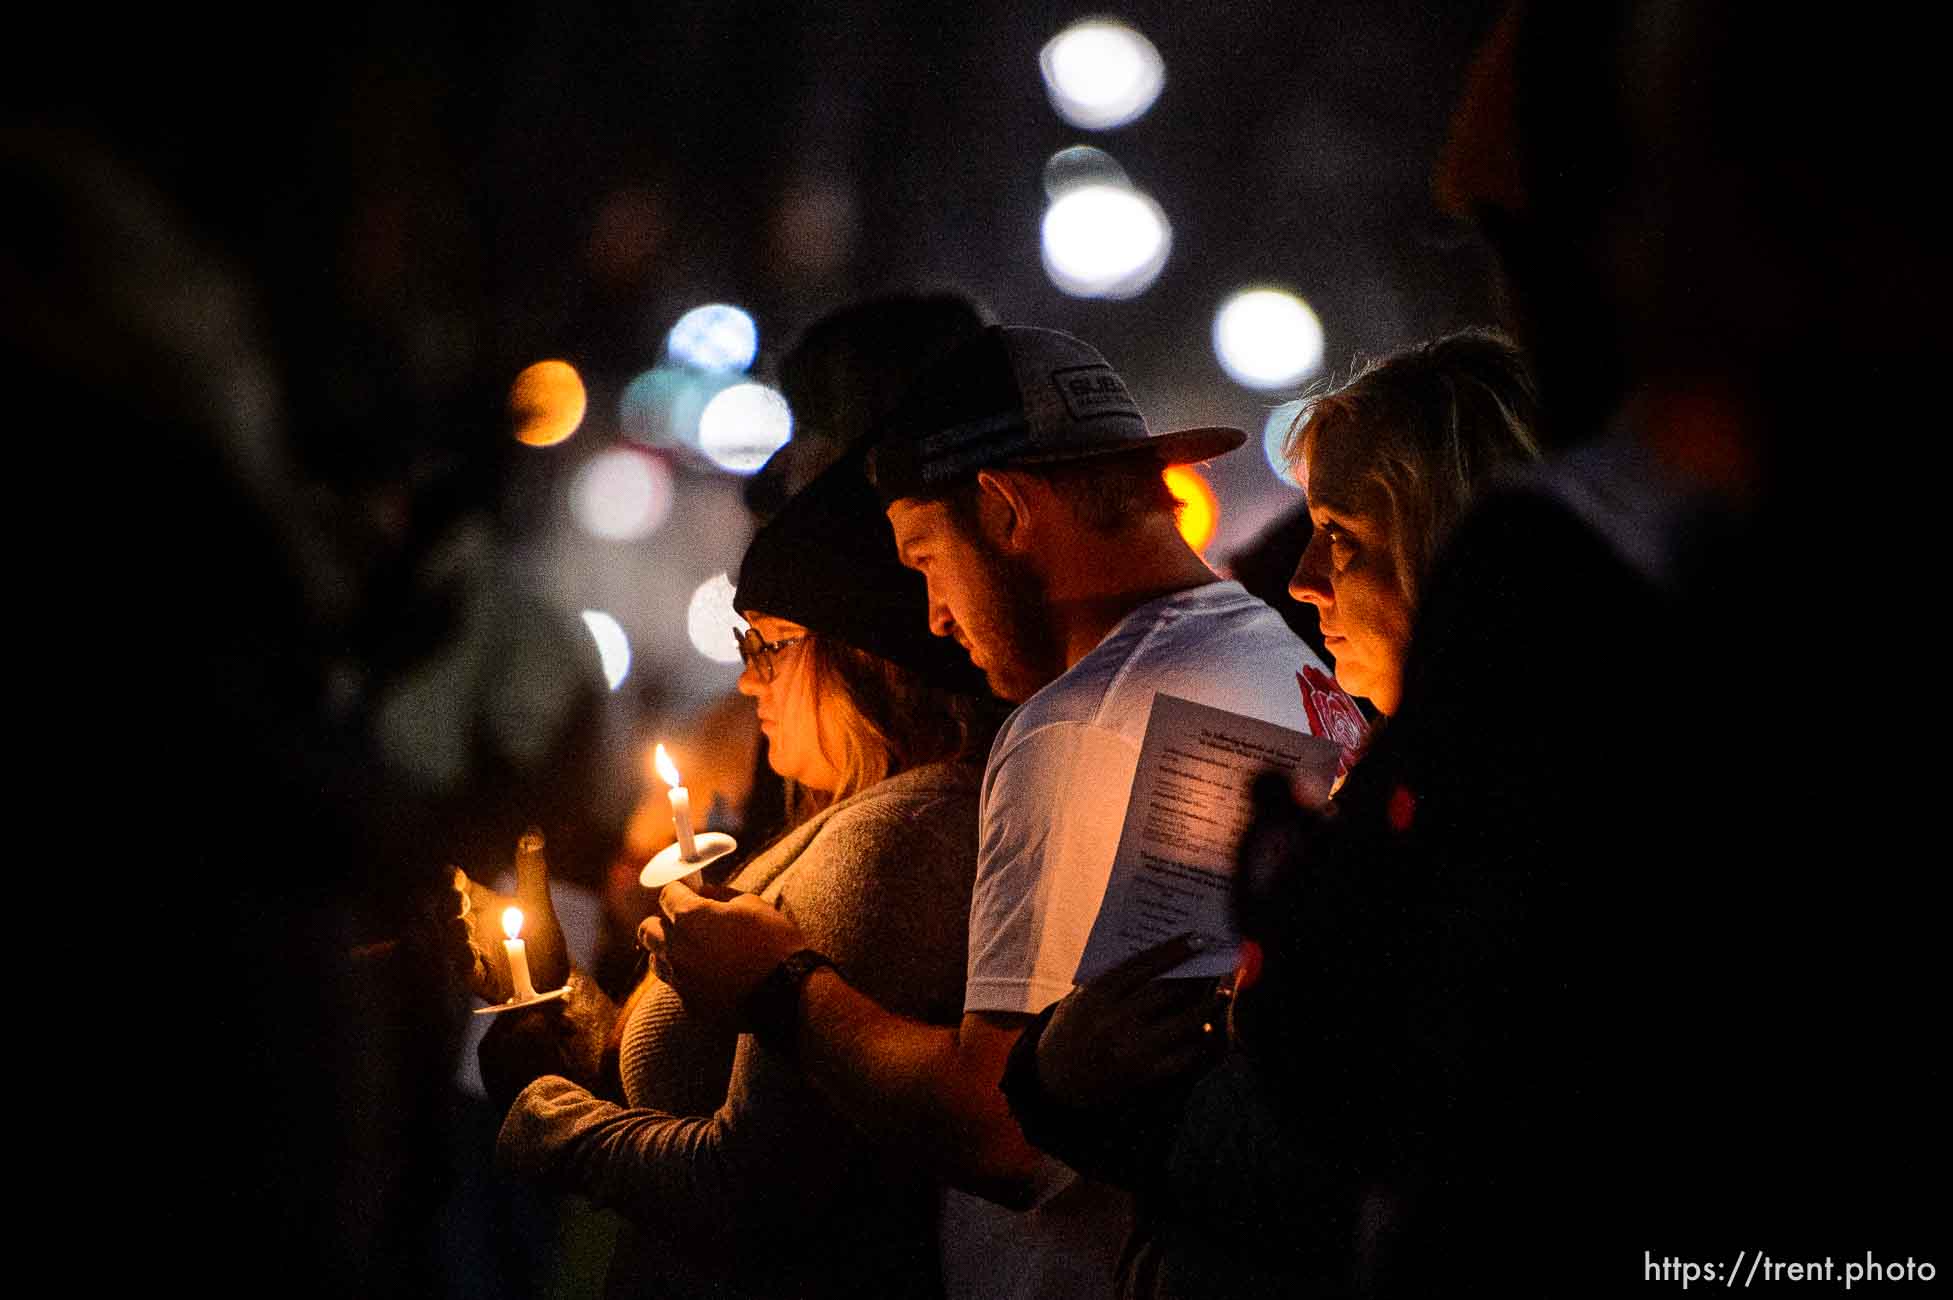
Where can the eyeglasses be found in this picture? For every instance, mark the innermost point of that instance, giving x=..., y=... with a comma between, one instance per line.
x=757, y=653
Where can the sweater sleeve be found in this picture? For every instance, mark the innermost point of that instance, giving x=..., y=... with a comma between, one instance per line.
x=876, y=892
x=696, y=1181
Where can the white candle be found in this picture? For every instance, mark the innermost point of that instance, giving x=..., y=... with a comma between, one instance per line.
x=681, y=804
x=518, y=952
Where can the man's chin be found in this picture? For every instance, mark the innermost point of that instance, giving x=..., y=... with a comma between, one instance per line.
x=1008, y=692
x=1013, y=687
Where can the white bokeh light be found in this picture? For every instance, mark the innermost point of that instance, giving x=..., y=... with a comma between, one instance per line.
x=1105, y=241
x=710, y=620
x=743, y=425
x=1101, y=73
x=717, y=336
x=1274, y=438
x=1267, y=338
x=1081, y=164
x=613, y=647
x=622, y=494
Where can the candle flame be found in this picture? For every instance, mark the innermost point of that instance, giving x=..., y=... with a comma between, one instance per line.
x=512, y=921
x=667, y=770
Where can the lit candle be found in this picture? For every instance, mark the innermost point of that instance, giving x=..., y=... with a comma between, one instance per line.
x=518, y=955
x=681, y=804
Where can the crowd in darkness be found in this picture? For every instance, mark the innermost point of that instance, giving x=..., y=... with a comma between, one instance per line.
x=1613, y=942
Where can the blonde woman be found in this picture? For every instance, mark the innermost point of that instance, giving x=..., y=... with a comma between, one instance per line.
x=736, y=1178
x=1120, y=1080
x=1389, y=460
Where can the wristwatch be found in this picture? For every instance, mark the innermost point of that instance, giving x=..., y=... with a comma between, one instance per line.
x=772, y=1009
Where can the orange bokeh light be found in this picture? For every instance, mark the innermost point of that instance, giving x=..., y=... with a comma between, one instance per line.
x=546, y=403
x=1200, y=512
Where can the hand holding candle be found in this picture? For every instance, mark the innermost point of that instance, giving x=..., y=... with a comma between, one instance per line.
x=681, y=804
x=481, y=907
x=477, y=903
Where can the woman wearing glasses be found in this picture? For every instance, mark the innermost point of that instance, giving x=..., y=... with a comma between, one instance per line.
x=735, y=1177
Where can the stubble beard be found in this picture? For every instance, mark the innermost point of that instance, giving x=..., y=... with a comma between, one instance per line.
x=1026, y=647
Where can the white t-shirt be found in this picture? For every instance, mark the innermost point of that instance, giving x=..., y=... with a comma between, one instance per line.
x=1060, y=772
x=1054, y=800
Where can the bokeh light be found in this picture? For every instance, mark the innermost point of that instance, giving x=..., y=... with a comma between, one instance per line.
x=661, y=407
x=710, y=620
x=717, y=336
x=743, y=425
x=1101, y=73
x=1274, y=438
x=622, y=494
x=1267, y=338
x=613, y=647
x=546, y=403
x=1200, y=512
x=1105, y=241
x=1081, y=164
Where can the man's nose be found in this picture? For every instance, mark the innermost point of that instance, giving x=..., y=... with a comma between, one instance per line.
x=940, y=622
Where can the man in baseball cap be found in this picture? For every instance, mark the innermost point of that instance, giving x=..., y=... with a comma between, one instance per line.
x=1023, y=483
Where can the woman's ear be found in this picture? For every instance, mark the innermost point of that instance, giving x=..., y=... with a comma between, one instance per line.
x=1006, y=508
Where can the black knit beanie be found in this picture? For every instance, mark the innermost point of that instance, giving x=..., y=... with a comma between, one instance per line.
x=827, y=561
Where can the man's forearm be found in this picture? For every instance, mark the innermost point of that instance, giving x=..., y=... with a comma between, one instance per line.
x=931, y=1090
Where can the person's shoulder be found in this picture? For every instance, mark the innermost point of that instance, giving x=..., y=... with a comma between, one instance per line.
x=1531, y=605
x=1215, y=645
x=1606, y=505
x=915, y=800
x=1072, y=696
x=926, y=784
x=1208, y=625
x=1212, y=640
x=918, y=828
x=1525, y=540
x=1181, y=629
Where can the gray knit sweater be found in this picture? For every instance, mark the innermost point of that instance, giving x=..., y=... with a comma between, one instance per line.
x=771, y=1192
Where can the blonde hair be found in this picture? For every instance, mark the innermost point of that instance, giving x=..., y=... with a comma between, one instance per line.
x=1425, y=427
x=875, y=719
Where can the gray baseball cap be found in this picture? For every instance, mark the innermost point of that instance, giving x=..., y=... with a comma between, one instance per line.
x=1020, y=395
